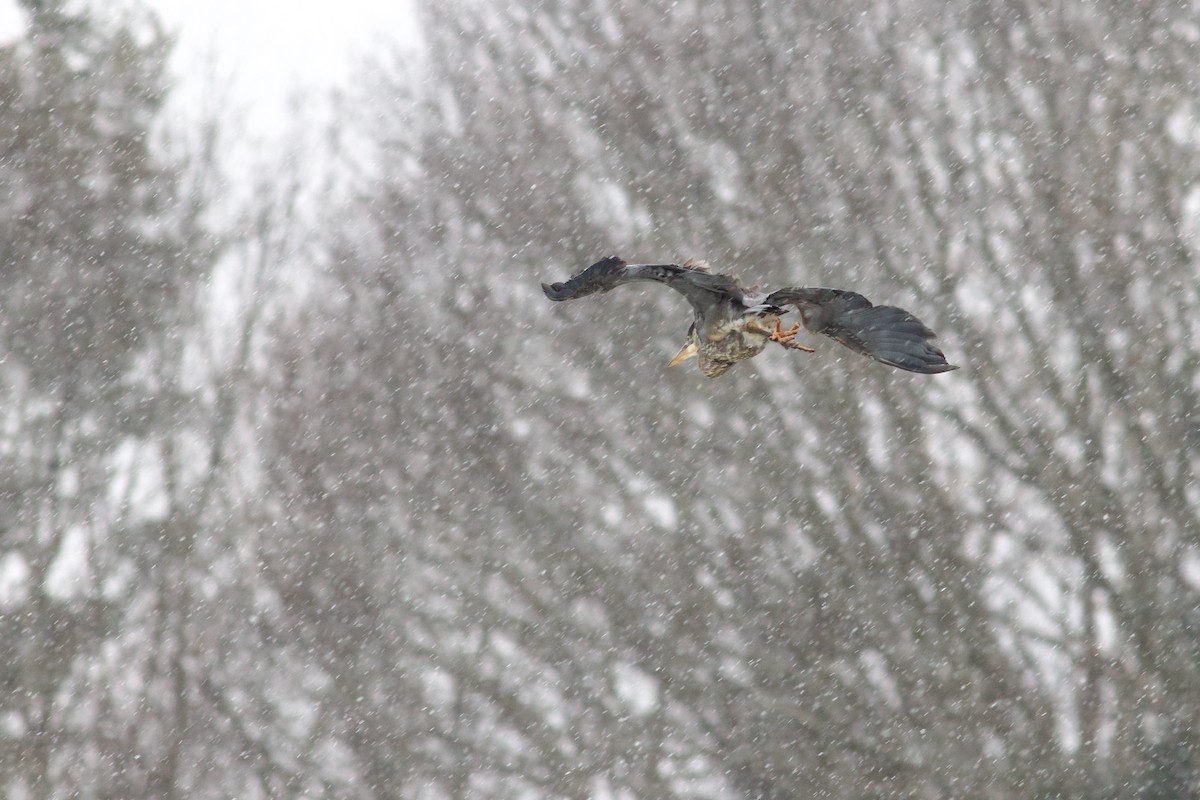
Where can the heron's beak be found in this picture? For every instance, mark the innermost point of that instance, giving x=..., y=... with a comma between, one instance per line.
x=687, y=352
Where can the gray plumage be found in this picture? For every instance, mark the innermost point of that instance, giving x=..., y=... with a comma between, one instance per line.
x=732, y=323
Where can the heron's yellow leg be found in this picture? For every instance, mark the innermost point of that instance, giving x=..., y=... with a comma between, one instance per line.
x=785, y=337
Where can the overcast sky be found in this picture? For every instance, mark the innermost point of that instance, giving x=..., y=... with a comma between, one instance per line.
x=264, y=49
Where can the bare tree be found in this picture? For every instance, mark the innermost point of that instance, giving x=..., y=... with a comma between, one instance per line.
x=820, y=578
x=406, y=529
x=786, y=593
x=113, y=453
x=92, y=279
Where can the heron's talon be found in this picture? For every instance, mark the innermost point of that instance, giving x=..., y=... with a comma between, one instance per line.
x=780, y=335
x=785, y=337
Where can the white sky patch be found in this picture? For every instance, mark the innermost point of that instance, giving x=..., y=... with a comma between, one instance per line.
x=608, y=205
x=1190, y=223
x=138, y=481
x=578, y=385
x=875, y=666
x=263, y=70
x=661, y=510
x=14, y=580
x=1183, y=126
x=265, y=53
x=12, y=23
x=1189, y=568
x=637, y=690
x=521, y=428
x=68, y=574
x=724, y=169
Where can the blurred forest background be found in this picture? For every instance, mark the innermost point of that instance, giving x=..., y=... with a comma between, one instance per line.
x=309, y=492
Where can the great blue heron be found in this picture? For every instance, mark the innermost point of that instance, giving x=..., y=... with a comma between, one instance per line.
x=733, y=323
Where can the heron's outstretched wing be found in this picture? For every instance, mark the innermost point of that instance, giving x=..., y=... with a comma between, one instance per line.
x=887, y=334
x=703, y=289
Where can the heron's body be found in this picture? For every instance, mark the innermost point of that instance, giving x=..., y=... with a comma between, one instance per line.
x=733, y=324
x=722, y=344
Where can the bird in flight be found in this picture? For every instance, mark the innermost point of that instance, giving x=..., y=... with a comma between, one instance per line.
x=733, y=323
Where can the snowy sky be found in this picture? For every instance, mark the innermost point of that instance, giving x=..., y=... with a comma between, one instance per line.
x=263, y=50
x=266, y=49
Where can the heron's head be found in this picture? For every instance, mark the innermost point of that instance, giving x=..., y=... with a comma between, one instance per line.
x=691, y=348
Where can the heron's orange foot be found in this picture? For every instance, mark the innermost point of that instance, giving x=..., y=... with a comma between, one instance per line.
x=785, y=337
x=780, y=335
